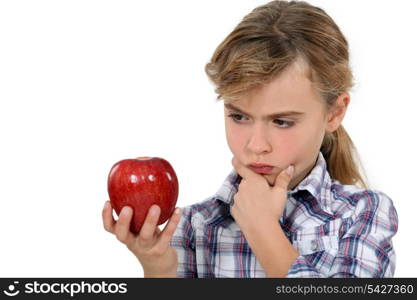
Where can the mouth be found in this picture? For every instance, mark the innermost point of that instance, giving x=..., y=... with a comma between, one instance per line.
x=261, y=169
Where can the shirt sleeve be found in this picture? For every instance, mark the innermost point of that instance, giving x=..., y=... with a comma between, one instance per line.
x=184, y=243
x=365, y=248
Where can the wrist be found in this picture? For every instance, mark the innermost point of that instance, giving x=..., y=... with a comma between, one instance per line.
x=155, y=275
x=153, y=272
x=260, y=227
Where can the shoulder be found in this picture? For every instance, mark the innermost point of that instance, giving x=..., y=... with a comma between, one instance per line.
x=369, y=205
x=361, y=199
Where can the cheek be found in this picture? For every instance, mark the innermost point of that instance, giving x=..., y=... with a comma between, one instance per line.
x=291, y=149
x=301, y=146
x=287, y=145
x=311, y=140
x=235, y=138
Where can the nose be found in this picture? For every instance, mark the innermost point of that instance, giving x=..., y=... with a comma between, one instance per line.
x=258, y=141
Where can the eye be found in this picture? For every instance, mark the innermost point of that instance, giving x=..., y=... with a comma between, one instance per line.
x=236, y=117
x=239, y=118
x=280, y=122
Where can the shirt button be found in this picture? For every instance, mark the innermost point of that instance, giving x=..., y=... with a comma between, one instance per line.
x=314, y=245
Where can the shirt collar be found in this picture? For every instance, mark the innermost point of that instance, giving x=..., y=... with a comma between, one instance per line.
x=314, y=182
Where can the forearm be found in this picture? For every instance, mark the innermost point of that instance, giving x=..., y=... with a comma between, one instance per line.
x=273, y=250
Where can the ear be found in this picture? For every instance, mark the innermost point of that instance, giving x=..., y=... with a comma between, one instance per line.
x=337, y=112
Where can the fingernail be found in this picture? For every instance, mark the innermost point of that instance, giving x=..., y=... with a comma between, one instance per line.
x=177, y=211
x=154, y=209
x=290, y=170
x=125, y=211
x=106, y=204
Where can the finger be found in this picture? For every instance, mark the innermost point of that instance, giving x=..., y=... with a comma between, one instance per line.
x=122, y=229
x=169, y=230
x=108, y=220
x=150, y=225
x=157, y=231
x=284, y=178
x=245, y=172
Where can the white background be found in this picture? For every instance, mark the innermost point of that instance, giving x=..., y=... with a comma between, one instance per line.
x=84, y=84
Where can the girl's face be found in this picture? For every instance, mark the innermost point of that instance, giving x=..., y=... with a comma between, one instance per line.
x=256, y=134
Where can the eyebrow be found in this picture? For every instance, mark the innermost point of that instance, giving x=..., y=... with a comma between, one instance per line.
x=268, y=117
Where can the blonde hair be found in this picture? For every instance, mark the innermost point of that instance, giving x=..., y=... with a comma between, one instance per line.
x=268, y=41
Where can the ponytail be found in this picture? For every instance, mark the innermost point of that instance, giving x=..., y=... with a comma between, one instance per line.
x=341, y=156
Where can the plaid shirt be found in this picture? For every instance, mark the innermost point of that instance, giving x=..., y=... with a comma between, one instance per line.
x=338, y=230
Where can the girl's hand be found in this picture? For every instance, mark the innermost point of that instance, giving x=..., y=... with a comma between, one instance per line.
x=151, y=245
x=257, y=204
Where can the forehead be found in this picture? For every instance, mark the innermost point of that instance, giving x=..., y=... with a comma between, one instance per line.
x=291, y=90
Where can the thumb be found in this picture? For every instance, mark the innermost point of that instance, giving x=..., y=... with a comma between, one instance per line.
x=283, y=179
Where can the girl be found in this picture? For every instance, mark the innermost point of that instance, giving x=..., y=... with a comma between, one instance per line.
x=295, y=204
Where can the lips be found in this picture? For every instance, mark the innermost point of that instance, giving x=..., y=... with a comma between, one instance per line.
x=261, y=169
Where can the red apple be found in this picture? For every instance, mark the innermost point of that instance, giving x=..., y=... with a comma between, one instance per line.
x=140, y=183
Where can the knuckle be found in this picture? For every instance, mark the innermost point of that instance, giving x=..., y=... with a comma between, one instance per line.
x=174, y=224
x=168, y=232
x=174, y=221
x=107, y=228
x=130, y=246
x=172, y=228
x=144, y=238
x=121, y=238
x=156, y=251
